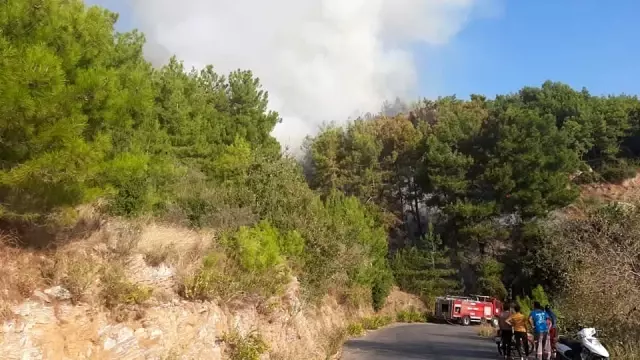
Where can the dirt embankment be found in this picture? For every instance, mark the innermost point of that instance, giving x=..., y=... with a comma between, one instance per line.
x=627, y=191
x=53, y=304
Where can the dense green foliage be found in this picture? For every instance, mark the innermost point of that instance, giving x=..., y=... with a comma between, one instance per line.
x=424, y=269
x=486, y=173
x=451, y=196
x=85, y=117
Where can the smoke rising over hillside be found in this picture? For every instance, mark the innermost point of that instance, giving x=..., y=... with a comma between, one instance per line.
x=320, y=60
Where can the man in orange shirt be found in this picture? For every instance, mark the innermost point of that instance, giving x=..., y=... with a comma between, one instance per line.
x=519, y=323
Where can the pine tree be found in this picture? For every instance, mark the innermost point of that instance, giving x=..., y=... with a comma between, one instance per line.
x=425, y=269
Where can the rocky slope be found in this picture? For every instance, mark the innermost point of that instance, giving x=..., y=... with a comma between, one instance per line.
x=54, y=323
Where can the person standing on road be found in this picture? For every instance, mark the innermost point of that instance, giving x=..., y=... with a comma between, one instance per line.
x=519, y=324
x=506, y=333
x=553, y=330
x=540, y=322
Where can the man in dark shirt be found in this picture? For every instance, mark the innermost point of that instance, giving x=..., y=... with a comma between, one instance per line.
x=506, y=333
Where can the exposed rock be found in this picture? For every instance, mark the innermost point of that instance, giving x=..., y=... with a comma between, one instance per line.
x=41, y=296
x=58, y=292
x=190, y=330
x=171, y=328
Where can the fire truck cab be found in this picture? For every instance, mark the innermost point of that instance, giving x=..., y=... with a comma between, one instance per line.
x=468, y=309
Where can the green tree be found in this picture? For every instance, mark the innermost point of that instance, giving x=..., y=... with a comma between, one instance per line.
x=425, y=269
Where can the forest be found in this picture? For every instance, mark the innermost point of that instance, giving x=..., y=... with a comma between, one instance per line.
x=447, y=196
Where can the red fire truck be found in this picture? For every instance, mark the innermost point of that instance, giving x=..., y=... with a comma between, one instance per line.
x=468, y=309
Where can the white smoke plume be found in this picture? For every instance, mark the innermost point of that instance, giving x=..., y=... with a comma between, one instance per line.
x=320, y=60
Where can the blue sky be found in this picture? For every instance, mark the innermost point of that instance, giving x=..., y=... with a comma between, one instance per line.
x=590, y=43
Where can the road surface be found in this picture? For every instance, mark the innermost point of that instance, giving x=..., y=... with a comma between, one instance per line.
x=421, y=341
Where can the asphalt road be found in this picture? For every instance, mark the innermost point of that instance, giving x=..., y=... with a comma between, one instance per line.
x=421, y=341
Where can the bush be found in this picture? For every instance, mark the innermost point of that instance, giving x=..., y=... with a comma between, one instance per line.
x=355, y=330
x=537, y=294
x=262, y=248
x=248, y=347
x=489, y=280
x=617, y=172
x=354, y=297
x=75, y=272
x=117, y=290
x=213, y=279
x=250, y=263
x=602, y=285
x=333, y=341
x=486, y=331
x=376, y=322
x=410, y=316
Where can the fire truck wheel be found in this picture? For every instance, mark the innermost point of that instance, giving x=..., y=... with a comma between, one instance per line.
x=466, y=321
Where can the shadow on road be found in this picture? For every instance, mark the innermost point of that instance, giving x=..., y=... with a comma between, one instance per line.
x=428, y=349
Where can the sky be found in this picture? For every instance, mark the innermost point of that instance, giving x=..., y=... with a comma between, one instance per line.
x=590, y=43
x=328, y=60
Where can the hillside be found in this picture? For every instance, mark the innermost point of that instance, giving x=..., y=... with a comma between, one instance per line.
x=626, y=191
x=145, y=313
x=126, y=189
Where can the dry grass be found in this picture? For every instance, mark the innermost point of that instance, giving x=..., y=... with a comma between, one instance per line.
x=376, y=322
x=486, y=330
x=159, y=255
x=624, y=351
x=353, y=297
x=122, y=240
x=355, y=330
x=333, y=341
x=92, y=270
x=117, y=290
x=19, y=274
x=603, y=249
x=411, y=315
x=248, y=347
x=76, y=272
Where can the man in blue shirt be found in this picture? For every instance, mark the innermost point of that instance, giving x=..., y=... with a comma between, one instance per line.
x=540, y=322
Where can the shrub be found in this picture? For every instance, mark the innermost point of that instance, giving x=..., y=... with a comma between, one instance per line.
x=602, y=285
x=376, y=322
x=247, y=347
x=76, y=273
x=333, y=341
x=262, y=247
x=486, y=331
x=117, y=290
x=355, y=329
x=410, y=316
x=354, y=297
x=213, y=278
x=251, y=262
x=537, y=294
x=617, y=172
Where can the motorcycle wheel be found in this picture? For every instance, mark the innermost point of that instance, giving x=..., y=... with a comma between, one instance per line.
x=532, y=346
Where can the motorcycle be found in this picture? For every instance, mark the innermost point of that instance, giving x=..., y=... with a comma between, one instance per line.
x=586, y=347
x=514, y=351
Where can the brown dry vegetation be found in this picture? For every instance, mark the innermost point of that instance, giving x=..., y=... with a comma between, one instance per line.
x=100, y=268
x=96, y=266
x=601, y=260
x=19, y=274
